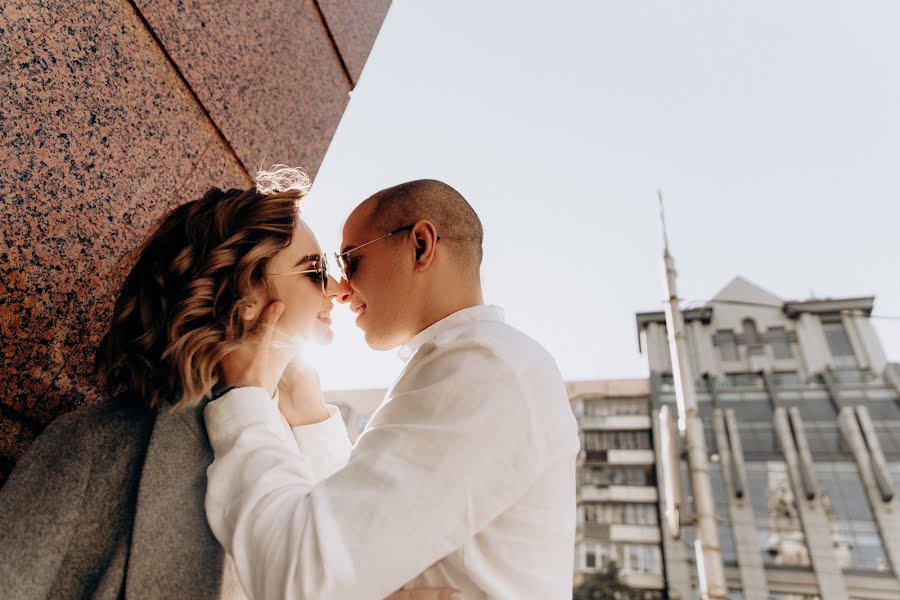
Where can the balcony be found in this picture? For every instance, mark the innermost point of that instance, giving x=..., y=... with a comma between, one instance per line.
x=618, y=457
x=618, y=532
x=619, y=422
x=618, y=493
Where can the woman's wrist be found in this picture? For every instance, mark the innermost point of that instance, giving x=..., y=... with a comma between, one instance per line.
x=305, y=414
x=300, y=400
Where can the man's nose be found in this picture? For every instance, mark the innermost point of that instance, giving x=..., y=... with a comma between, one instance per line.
x=346, y=292
x=333, y=289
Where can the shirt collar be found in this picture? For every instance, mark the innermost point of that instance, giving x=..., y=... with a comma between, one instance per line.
x=481, y=312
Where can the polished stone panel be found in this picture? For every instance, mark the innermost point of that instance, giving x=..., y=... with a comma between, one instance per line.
x=354, y=25
x=97, y=135
x=112, y=113
x=266, y=71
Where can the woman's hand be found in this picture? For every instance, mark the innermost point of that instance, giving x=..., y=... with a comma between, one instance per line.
x=258, y=362
x=426, y=594
x=300, y=395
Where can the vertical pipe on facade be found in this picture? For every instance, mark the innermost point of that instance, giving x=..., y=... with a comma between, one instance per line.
x=848, y=317
x=892, y=375
x=737, y=453
x=807, y=470
x=771, y=388
x=724, y=445
x=879, y=464
x=671, y=466
x=830, y=384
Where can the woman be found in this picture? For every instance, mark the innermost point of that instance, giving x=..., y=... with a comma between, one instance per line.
x=109, y=501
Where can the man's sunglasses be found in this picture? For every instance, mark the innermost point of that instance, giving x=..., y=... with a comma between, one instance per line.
x=344, y=262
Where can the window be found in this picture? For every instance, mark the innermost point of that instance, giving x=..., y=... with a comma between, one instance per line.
x=614, y=407
x=591, y=556
x=780, y=343
x=610, y=475
x=618, y=513
x=854, y=532
x=824, y=439
x=786, y=378
x=839, y=344
x=852, y=376
x=888, y=433
x=758, y=441
x=642, y=558
x=617, y=440
x=727, y=343
x=751, y=337
x=754, y=380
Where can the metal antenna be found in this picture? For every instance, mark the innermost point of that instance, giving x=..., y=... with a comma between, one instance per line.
x=662, y=217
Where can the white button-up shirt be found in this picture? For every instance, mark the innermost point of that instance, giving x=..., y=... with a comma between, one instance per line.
x=464, y=477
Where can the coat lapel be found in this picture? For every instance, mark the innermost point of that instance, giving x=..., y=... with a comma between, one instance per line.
x=173, y=552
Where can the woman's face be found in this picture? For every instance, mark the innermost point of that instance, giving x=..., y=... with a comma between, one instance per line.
x=307, y=312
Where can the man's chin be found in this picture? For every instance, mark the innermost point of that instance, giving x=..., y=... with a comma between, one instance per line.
x=380, y=343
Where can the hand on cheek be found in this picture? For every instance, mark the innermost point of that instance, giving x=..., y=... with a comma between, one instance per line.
x=258, y=362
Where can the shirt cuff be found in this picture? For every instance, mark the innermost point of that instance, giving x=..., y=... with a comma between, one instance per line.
x=324, y=444
x=236, y=410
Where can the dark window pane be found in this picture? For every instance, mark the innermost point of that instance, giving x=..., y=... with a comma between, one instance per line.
x=727, y=343
x=781, y=345
x=884, y=411
x=854, y=533
x=838, y=340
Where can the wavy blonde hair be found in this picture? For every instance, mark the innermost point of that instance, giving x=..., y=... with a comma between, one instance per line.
x=179, y=310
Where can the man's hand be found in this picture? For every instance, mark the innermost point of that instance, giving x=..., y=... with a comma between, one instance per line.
x=258, y=362
x=426, y=594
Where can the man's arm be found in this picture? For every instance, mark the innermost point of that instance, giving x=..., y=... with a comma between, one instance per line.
x=439, y=463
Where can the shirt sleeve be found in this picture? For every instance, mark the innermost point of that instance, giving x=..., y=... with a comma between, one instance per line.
x=441, y=459
x=326, y=444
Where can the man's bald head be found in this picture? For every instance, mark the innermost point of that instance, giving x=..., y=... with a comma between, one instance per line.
x=454, y=219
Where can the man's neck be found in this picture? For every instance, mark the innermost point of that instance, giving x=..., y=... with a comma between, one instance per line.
x=439, y=312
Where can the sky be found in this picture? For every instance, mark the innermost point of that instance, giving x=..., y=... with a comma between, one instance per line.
x=772, y=128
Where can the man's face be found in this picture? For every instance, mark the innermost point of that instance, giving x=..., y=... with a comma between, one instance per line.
x=380, y=285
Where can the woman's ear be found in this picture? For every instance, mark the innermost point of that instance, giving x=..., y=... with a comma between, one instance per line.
x=250, y=312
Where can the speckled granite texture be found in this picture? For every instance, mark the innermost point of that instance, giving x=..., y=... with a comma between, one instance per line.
x=354, y=25
x=113, y=112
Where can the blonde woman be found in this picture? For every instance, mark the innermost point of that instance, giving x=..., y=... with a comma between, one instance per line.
x=108, y=502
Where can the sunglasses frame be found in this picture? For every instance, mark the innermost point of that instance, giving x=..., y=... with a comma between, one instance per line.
x=341, y=258
x=322, y=270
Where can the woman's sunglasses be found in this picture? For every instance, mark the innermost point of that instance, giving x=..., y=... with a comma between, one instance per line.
x=321, y=271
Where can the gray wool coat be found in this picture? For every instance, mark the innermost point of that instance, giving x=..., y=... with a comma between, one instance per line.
x=108, y=503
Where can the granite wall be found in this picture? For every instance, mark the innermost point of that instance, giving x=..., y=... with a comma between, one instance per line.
x=112, y=112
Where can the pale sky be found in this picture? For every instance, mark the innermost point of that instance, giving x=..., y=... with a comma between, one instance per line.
x=773, y=129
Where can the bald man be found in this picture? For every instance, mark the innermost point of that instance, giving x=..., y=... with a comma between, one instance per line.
x=463, y=478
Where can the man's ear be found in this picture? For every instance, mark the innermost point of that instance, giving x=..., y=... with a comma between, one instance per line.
x=426, y=242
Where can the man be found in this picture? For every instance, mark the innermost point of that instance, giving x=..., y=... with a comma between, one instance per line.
x=464, y=477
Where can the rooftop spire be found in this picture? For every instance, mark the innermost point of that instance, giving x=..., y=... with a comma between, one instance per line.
x=662, y=217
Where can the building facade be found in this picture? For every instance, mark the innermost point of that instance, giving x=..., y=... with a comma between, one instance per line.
x=617, y=517
x=802, y=424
